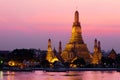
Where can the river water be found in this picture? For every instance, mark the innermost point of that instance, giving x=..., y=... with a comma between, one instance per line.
x=40, y=75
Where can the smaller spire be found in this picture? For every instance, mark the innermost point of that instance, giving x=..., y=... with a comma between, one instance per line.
x=98, y=43
x=60, y=47
x=49, y=45
x=95, y=40
x=95, y=43
x=99, y=46
x=49, y=42
x=95, y=46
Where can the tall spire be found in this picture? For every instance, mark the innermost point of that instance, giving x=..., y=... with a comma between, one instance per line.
x=76, y=30
x=76, y=47
x=76, y=16
x=76, y=19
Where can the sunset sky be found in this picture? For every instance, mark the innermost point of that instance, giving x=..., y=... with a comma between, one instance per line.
x=30, y=23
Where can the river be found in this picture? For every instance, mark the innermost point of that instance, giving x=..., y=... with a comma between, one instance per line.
x=71, y=75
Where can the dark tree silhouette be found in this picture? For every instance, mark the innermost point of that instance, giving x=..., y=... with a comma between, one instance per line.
x=80, y=62
x=45, y=64
x=22, y=54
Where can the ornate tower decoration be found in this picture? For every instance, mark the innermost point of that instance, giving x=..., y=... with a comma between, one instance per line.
x=97, y=52
x=76, y=47
x=50, y=55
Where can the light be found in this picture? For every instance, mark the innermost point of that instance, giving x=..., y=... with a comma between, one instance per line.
x=53, y=60
x=1, y=61
x=1, y=75
x=11, y=63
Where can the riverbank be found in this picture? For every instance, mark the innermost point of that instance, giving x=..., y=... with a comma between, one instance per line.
x=79, y=69
x=60, y=69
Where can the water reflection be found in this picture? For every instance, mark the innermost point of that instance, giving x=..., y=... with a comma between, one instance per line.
x=9, y=75
x=40, y=75
x=1, y=75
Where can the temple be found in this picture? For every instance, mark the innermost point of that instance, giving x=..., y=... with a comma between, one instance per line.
x=51, y=57
x=97, y=55
x=76, y=48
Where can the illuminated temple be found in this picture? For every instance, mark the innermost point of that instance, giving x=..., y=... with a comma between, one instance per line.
x=51, y=57
x=76, y=48
x=97, y=55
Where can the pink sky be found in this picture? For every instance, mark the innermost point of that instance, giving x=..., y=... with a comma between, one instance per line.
x=29, y=23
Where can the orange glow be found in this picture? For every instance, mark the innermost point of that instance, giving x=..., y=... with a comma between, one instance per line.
x=54, y=59
x=11, y=63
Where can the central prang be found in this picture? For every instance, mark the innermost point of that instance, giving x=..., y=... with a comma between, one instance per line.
x=76, y=48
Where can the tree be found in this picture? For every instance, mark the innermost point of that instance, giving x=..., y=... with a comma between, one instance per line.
x=80, y=62
x=45, y=64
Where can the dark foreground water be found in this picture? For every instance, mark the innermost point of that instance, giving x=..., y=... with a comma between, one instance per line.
x=40, y=75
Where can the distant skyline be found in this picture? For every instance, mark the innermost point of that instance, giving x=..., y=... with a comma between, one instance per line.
x=30, y=23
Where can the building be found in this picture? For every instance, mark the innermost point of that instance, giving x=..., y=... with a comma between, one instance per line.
x=58, y=55
x=50, y=56
x=97, y=53
x=112, y=54
x=76, y=48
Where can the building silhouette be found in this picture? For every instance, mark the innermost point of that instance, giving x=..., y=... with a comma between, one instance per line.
x=112, y=54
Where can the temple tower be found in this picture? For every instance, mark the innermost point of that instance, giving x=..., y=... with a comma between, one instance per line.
x=99, y=47
x=50, y=54
x=76, y=48
x=97, y=52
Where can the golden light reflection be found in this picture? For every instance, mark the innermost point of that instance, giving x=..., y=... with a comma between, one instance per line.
x=10, y=75
x=1, y=75
x=13, y=75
